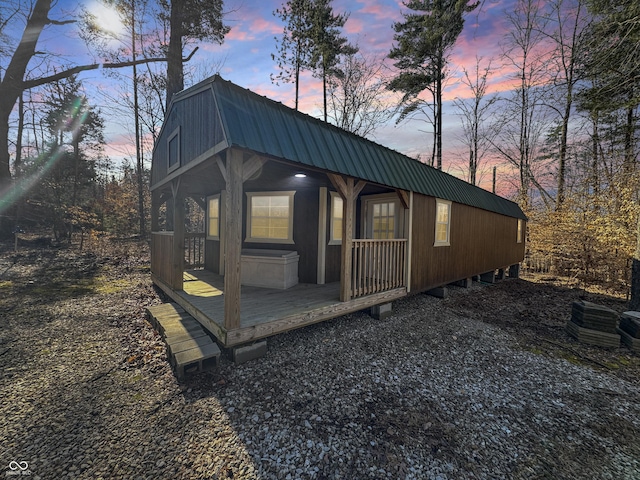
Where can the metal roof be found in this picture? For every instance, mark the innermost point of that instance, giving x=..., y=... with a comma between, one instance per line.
x=257, y=123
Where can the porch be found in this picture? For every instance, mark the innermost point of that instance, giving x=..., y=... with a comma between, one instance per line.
x=264, y=311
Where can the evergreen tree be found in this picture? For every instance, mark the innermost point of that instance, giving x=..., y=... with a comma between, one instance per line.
x=424, y=43
x=294, y=48
x=327, y=46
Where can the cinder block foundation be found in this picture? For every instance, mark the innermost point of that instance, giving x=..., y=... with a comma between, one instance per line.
x=247, y=353
x=514, y=271
x=501, y=274
x=464, y=283
x=380, y=312
x=488, y=277
x=439, y=292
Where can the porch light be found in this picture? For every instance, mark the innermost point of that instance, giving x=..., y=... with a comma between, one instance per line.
x=300, y=175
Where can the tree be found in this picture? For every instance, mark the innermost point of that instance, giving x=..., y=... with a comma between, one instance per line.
x=475, y=113
x=294, y=48
x=14, y=83
x=357, y=97
x=613, y=63
x=569, y=22
x=189, y=20
x=327, y=46
x=424, y=43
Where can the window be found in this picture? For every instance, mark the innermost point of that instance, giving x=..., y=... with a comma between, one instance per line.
x=383, y=215
x=270, y=217
x=520, y=231
x=337, y=209
x=213, y=217
x=384, y=220
x=174, y=149
x=443, y=222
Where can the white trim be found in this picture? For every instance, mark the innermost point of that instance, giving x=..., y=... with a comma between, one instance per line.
x=223, y=229
x=333, y=241
x=208, y=218
x=289, y=239
x=520, y=231
x=175, y=166
x=322, y=236
x=447, y=242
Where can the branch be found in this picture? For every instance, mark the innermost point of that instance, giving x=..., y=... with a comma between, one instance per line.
x=26, y=85
x=61, y=22
x=184, y=60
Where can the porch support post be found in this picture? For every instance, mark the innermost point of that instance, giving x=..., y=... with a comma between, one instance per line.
x=177, y=263
x=155, y=210
x=349, y=192
x=233, y=239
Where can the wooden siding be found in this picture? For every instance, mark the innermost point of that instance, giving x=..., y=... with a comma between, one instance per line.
x=480, y=241
x=212, y=256
x=161, y=254
x=200, y=130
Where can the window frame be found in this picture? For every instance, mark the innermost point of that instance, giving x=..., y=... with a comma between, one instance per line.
x=332, y=218
x=209, y=199
x=173, y=135
x=289, y=239
x=447, y=242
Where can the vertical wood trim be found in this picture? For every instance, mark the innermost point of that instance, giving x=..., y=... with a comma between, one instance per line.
x=155, y=210
x=407, y=270
x=223, y=230
x=347, y=241
x=233, y=242
x=177, y=263
x=322, y=236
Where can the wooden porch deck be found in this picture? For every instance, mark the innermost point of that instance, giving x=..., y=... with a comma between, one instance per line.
x=265, y=311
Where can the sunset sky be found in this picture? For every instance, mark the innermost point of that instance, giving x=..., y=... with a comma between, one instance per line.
x=246, y=60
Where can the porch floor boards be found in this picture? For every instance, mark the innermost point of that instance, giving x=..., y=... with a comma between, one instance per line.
x=204, y=290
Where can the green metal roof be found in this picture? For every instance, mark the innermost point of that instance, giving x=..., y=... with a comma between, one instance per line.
x=257, y=123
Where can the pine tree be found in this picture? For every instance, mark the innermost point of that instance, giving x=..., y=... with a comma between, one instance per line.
x=424, y=43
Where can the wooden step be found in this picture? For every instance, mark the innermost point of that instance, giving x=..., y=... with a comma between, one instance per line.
x=189, y=348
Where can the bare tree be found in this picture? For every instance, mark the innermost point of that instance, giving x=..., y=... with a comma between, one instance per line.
x=357, y=95
x=475, y=113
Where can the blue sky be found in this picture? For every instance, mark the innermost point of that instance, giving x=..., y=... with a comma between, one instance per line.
x=246, y=60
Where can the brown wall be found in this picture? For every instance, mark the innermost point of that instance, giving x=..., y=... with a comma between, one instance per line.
x=480, y=242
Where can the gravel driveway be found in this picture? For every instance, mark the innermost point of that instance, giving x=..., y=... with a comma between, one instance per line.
x=425, y=394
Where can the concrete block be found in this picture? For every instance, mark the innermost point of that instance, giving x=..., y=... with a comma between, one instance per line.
x=514, y=271
x=464, y=283
x=246, y=353
x=488, y=277
x=380, y=312
x=501, y=274
x=439, y=292
x=199, y=359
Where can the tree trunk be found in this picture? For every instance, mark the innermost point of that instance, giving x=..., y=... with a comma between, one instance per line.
x=175, y=74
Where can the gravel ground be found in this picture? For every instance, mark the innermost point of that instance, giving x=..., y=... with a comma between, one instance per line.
x=436, y=391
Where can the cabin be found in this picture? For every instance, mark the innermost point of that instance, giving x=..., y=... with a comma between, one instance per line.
x=305, y=221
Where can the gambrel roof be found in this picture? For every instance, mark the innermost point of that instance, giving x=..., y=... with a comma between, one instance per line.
x=217, y=114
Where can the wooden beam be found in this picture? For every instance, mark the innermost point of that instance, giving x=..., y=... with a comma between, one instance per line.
x=177, y=257
x=404, y=197
x=347, y=241
x=358, y=188
x=251, y=166
x=156, y=202
x=322, y=237
x=339, y=184
x=222, y=167
x=233, y=240
x=201, y=201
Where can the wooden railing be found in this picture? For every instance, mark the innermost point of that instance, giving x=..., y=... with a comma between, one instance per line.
x=194, y=250
x=378, y=265
x=161, y=252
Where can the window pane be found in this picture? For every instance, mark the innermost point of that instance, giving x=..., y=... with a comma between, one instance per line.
x=441, y=232
x=337, y=229
x=279, y=212
x=337, y=207
x=270, y=217
x=279, y=201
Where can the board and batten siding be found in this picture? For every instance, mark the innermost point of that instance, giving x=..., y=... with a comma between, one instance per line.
x=200, y=130
x=480, y=241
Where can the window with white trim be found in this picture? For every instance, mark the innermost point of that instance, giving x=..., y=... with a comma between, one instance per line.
x=173, y=150
x=213, y=217
x=337, y=210
x=443, y=223
x=519, y=233
x=270, y=217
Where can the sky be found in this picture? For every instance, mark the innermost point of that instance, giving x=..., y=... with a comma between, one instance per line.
x=245, y=59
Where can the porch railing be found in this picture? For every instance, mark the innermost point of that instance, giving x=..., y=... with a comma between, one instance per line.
x=194, y=250
x=378, y=265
